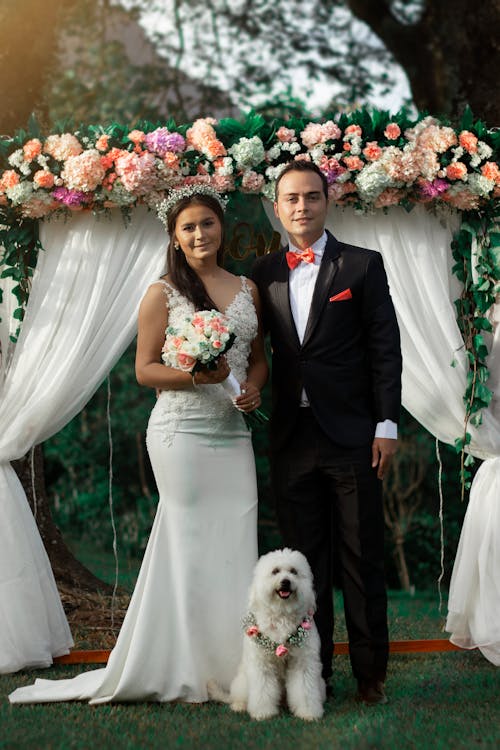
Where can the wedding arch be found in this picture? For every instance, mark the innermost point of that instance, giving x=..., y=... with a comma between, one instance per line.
x=81, y=243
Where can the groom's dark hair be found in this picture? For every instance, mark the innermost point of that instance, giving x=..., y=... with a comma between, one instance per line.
x=301, y=165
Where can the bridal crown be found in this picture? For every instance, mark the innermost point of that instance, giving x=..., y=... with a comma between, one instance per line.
x=176, y=194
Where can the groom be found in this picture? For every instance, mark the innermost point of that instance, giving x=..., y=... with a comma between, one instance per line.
x=336, y=384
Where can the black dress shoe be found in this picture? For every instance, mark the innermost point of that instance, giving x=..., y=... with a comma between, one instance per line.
x=371, y=693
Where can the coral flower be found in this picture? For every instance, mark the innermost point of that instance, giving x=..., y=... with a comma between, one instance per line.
x=9, y=179
x=392, y=131
x=353, y=162
x=32, y=149
x=468, y=141
x=136, y=136
x=102, y=143
x=491, y=171
x=43, y=178
x=456, y=170
x=372, y=151
x=353, y=130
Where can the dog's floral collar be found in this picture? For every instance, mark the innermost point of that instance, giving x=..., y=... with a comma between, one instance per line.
x=297, y=638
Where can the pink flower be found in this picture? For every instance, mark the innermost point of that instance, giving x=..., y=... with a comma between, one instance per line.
x=392, y=131
x=353, y=130
x=185, y=361
x=252, y=631
x=43, y=178
x=456, y=170
x=463, y=200
x=306, y=624
x=61, y=147
x=285, y=135
x=137, y=172
x=32, y=149
x=338, y=190
x=468, y=141
x=83, y=172
x=102, y=142
x=353, y=163
x=302, y=157
x=372, y=151
x=222, y=183
x=311, y=135
x=281, y=650
x=252, y=181
x=389, y=197
x=171, y=160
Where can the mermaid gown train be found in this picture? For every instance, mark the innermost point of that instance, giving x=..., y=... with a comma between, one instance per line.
x=182, y=627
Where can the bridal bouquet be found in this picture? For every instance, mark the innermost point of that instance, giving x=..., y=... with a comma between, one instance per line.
x=199, y=342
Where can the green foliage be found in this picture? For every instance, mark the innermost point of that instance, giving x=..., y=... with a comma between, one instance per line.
x=437, y=701
x=478, y=270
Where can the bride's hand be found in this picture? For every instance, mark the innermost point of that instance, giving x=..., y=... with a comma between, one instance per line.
x=250, y=397
x=210, y=377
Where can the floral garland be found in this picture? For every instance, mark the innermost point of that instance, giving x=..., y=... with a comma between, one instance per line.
x=297, y=638
x=371, y=160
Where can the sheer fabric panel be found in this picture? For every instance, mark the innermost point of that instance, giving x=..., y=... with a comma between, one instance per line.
x=81, y=316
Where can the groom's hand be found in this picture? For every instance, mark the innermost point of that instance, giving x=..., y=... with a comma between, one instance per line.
x=383, y=449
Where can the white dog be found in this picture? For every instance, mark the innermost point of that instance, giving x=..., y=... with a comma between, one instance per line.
x=281, y=643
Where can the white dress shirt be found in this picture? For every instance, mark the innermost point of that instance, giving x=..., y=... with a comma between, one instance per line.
x=302, y=281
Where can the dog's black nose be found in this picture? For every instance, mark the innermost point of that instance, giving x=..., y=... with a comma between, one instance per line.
x=285, y=585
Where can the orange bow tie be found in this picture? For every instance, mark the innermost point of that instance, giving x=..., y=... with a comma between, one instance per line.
x=293, y=259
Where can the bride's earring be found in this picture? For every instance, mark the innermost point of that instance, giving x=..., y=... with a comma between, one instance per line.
x=176, y=246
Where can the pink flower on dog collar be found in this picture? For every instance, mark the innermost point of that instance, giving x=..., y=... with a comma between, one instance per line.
x=253, y=630
x=281, y=650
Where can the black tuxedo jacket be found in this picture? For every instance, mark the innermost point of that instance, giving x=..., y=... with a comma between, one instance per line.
x=350, y=359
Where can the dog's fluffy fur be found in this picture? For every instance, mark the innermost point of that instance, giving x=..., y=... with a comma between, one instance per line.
x=281, y=595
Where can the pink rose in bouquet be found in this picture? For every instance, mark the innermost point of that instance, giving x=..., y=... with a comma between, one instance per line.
x=199, y=342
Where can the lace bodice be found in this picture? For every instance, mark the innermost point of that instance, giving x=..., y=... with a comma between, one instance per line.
x=212, y=402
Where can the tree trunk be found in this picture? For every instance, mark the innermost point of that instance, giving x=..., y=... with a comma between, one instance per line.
x=399, y=553
x=451, y=55
x=68, y=571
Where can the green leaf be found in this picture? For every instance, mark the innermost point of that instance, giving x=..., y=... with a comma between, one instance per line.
x=18, y=313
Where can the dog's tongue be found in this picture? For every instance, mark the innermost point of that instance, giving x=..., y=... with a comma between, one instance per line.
x=284, y=594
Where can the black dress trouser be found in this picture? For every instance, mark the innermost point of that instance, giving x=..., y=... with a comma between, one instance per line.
x=329, y=506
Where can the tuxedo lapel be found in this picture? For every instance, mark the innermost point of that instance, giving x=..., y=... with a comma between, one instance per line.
x=326, y=274
x=282, y=297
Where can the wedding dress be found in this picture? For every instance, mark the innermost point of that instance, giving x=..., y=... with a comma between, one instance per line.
x=183, y=625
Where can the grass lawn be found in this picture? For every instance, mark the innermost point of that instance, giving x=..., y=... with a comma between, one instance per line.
x=443, y=700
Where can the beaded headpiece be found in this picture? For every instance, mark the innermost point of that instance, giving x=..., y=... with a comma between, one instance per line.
x=176, y=194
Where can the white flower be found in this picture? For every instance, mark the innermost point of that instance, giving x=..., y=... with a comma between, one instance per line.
x=484, y=150
x=480, y=184
x=227, y=167
x=248, y=152
x=43, y=161
x=274, y=152
x=268, y=190
x=16, y=159
x=274, y=172
x=317, y=153
x=20, y=193
x=457, y=152
x=371, y=181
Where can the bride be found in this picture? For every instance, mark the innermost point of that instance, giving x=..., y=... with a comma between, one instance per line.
x=182, y=627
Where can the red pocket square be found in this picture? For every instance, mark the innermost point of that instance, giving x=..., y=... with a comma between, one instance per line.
x=346, y=294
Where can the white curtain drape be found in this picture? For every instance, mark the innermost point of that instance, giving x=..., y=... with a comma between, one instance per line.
x=417, y=257
x=80, y=317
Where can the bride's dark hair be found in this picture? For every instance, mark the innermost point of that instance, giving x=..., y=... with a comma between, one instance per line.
x=183, y=277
